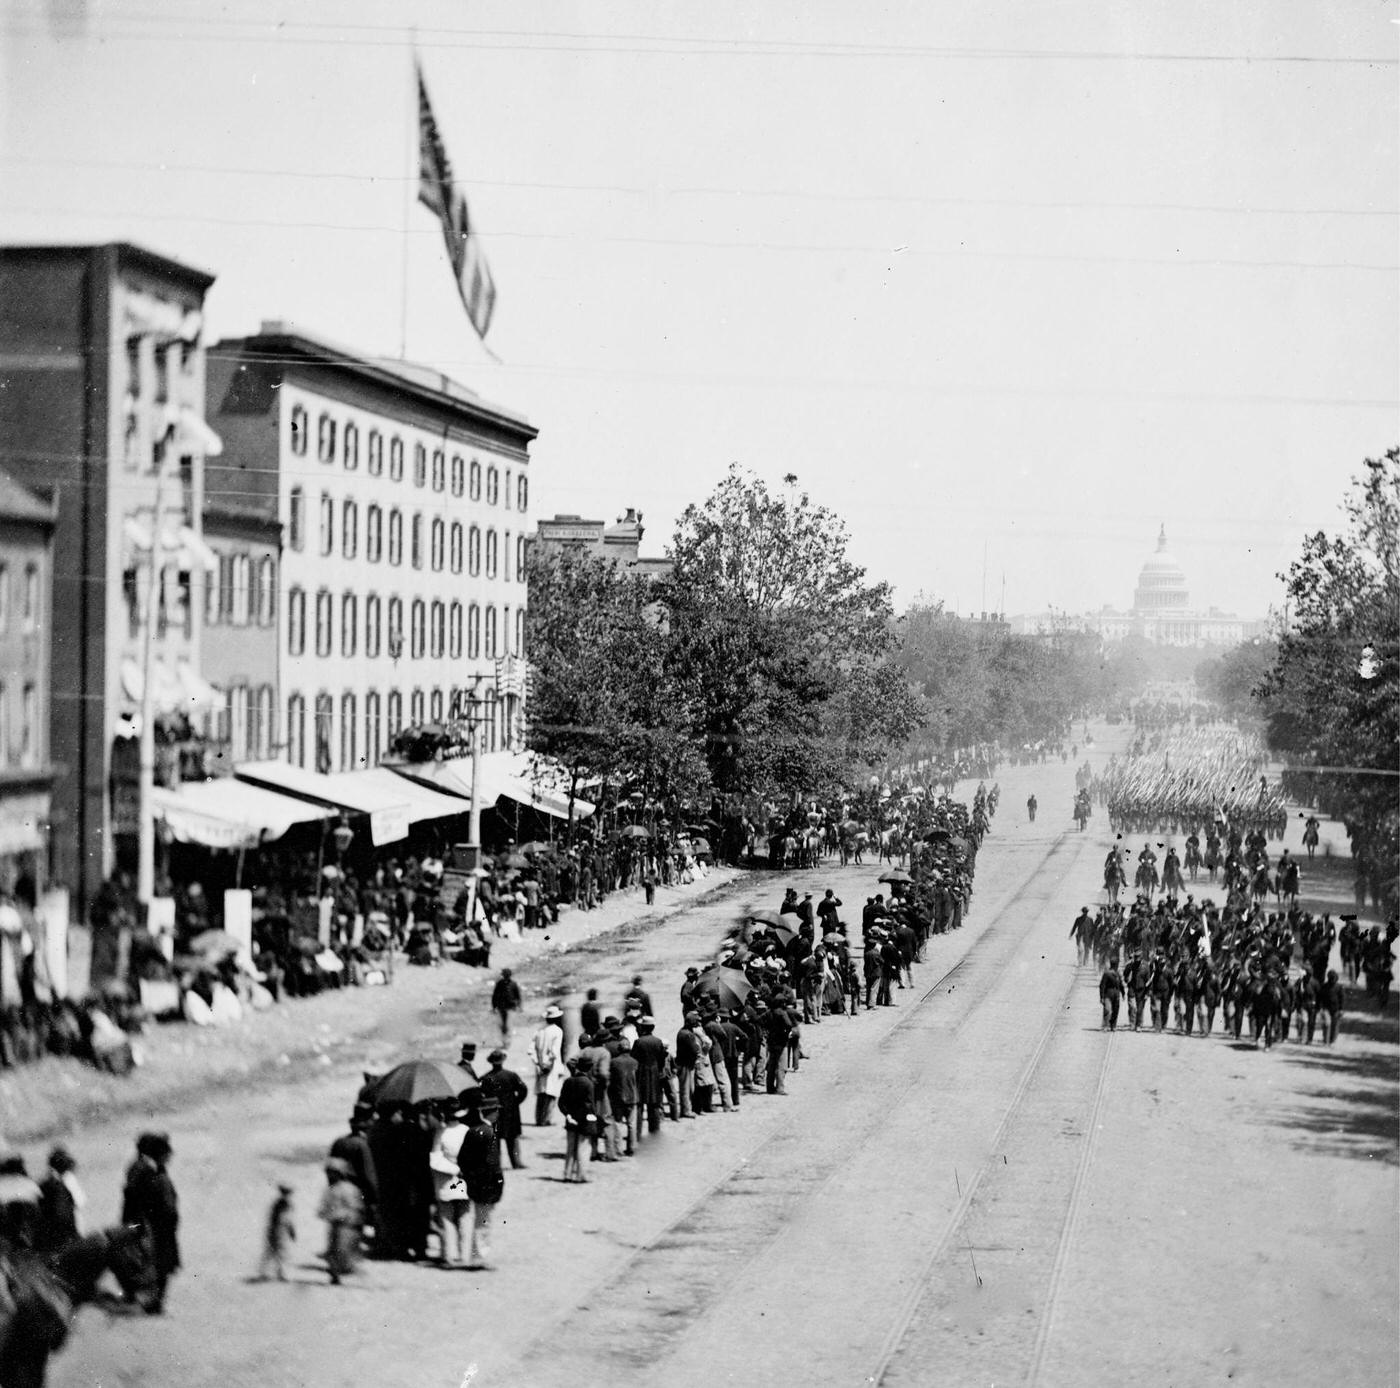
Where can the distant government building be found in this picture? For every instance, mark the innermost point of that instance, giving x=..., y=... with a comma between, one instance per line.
x=1161, y=612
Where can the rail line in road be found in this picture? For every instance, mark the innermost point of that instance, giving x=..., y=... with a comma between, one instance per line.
x=660, y=1298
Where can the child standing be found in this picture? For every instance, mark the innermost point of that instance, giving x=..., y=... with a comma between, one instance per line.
x=343, y=1209
x=278, y=1237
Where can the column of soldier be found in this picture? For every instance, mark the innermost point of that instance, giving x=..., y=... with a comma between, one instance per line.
x=1175, y=963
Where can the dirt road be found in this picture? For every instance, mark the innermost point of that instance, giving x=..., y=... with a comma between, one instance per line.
x=976, y=1186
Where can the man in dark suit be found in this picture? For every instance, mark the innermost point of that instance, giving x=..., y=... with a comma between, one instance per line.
x=149, y=1200
x=650, y=1053
x=622, y=1092
x=509, y=1091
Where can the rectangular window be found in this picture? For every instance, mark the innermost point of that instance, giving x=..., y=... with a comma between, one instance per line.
x=420, y=465
x=327, y=525
x=239, y=596
x=324, y=622
x=347, y=732
x=522, y=493
x=417, y=629
x=296, y=622
x=476, y=480
x=162, y=365
x=395, y=537
x=437, y=544
x=437, y=631
x=415, y=706
x=395, y=628
x=298, y=430
x=296, y=519
x=474, y=551
x=374, y=534
x=373, y=618
x=415, y=543
x=352, y=448
x=372, y=729
x=520, y=558
x=349, y=624
x=491, y=633
x=435, y=706
x=454, y=547
x=213, y=594
x=454, y=631
x=375, y=464
x=296, y=730
x=473, y=632
x=491, y=554
x=394, y=716
x=349, y=529
x=459, y=475
x=267, y=591
x=520, y=631
x=396, y=459
x=29, y=727
x=325, y=439
x=507, y=490
x=505, y=556
x=325, y=716
x=439, y=470
x=493, y=482
x=505, y=630
x=29, y=613
x=133, y=367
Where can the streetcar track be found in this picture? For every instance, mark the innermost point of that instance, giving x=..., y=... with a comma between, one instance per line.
x=1071, y=1220
x=680, y=1233
x=914, y=1297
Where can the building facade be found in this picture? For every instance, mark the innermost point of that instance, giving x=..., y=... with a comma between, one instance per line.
x=621, y=542
x=102, y=366
x=403, y=503
x=26, y=772
x=1161, y=612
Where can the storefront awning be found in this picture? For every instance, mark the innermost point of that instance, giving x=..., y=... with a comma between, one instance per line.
x=228, y=813
x=388, y=812
x=424, y=802
x=524, y=777
x=181, y=690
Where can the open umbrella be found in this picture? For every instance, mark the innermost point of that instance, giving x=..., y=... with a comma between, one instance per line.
x=421, y=1082
x=729, y=986
x=635, y=831
x=896, y=875
x=700, y=845
x=786, y=933
x=517, y=861
x=214, y=944
x=765, y=917
x=537, y=846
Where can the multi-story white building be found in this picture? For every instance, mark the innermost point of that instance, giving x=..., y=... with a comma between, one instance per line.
x=403, y=501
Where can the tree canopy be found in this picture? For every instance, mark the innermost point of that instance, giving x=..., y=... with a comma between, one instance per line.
x=1332, y=697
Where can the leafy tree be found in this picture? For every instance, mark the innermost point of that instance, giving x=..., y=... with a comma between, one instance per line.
x=777, y=637
x=1230, y=679
x=1332, y=698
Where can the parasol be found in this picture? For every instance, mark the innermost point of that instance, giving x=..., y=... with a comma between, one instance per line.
x=634, y=831
x=421, y=1082
x=729, y=986
x=517, y=861
x=896, y=875
x=699, y=845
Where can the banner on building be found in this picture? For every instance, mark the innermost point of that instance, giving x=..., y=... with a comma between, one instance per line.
x=440, y=195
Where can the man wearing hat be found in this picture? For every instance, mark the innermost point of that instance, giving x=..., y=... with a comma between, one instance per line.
x=149, y=1201
x=547, y=1052
x=479, y=1160
x=505, y=999
x=353, y=1148
x=650, y=1053
x=61, y=1202
x=687, y=1059
x=466, y=1060
x=509, y=1091
x=622, y=1094
x=449, y=1189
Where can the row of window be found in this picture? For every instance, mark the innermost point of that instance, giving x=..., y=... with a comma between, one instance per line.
x=434, y=629
x=383, y=720
x=333, y=443
x=249, y=722
x=20, y=746
x=245, y=593
x=27, y=582
x=384, y=538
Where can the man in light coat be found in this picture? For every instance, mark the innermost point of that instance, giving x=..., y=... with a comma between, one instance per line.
x=547, y=1051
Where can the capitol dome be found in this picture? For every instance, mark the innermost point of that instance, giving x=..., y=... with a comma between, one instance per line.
x=1162, y=582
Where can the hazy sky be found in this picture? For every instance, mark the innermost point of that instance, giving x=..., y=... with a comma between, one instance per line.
x=1023, y=281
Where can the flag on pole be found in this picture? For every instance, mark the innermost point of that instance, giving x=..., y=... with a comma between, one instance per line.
x=438, y=193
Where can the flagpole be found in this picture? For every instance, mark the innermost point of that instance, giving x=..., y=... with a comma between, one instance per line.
x=408, y=189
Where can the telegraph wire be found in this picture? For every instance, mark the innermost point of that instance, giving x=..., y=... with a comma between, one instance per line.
x=644, y=190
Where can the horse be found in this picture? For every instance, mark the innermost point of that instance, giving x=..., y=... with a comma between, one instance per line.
x=1207, y=996
x=1193, y=856
x=1310, y=835
x=1146, y=878
x=1081, y=811
x=1114, y=880
x=1265, y=1008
